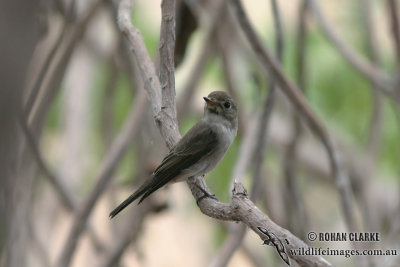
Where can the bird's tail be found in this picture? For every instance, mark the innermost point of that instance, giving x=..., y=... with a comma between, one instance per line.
x=143, y=189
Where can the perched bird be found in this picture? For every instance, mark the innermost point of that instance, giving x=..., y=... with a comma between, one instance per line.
x=198, y=152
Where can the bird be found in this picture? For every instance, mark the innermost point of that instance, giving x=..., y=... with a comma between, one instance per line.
x=199, y=150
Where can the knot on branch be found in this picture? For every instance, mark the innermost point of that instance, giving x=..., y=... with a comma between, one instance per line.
x=239, y=190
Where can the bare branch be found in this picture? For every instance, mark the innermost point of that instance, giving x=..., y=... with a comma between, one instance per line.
x=167, y=49
x=148, y=73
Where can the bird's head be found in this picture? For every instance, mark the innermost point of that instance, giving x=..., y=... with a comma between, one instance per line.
x=219, y=105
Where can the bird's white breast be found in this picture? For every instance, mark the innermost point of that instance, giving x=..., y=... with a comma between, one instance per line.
x=225, y=136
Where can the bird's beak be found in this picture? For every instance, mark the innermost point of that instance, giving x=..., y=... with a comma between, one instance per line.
x=210, y=101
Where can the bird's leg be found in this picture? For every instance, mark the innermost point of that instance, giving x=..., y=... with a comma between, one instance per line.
x=205, y=193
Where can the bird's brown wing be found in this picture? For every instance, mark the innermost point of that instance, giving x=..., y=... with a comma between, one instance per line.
x=197, y=143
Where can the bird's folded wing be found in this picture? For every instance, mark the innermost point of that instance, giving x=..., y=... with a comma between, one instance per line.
x=197, y=143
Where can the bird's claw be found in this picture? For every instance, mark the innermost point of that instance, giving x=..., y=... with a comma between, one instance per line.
x=206, y=194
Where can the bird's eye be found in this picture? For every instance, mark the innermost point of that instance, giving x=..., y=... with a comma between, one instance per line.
x=227, y=104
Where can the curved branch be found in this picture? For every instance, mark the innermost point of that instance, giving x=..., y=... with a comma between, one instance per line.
x=243, y=209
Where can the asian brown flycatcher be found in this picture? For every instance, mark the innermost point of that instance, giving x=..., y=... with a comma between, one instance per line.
x=199, y=151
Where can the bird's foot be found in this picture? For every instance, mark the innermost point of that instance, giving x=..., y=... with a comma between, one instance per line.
x=205, y=194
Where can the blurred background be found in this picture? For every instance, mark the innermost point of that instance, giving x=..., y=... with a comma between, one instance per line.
x=78, y=135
